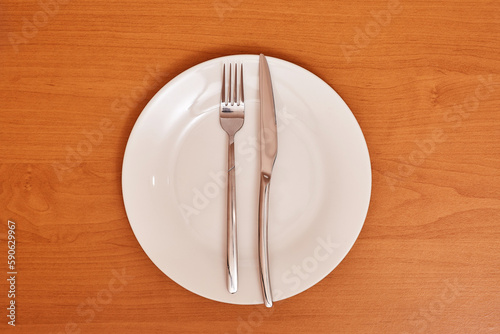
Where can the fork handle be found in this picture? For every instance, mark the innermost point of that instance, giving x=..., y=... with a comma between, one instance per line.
x=232, y=245
x=265, y=182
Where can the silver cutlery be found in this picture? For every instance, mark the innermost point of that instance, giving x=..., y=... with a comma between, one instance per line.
x=232, y=115
x=268, y=152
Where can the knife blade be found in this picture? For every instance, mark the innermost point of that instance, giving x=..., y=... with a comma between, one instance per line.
x=268, y=153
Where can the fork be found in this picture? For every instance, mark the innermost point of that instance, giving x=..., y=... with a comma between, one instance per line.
x=232, y=116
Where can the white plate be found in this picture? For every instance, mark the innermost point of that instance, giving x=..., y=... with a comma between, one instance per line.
x=174, y=188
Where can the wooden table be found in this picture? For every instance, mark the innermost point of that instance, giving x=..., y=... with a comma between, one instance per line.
x=421, y=77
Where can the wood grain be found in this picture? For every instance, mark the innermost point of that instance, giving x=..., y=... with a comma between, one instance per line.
x=423, y=83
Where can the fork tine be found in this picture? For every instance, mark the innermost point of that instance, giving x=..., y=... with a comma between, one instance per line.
x=223, y=89
x=230, y=95
x=235, y=92
x=231, y=83
x=242, y=96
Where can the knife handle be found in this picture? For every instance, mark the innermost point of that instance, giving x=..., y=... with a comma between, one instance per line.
x=265, y=181
x=232, y=245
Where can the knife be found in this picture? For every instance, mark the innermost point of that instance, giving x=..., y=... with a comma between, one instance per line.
x=268, y=151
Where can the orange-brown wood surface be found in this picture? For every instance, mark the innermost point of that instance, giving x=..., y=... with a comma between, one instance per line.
x=421, y=77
